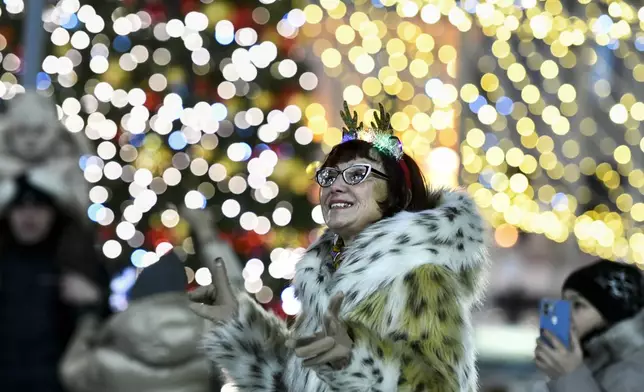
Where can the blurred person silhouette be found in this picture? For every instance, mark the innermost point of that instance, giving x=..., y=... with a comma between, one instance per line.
x=34, y=143
x=152, y=346
x=607, y=352
x=50, y=274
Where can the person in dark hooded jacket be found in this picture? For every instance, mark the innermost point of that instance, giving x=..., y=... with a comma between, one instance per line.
x=46, y=259
x=607, y=353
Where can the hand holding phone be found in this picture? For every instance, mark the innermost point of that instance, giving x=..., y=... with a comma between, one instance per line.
x=558, y=350
x=555, y=316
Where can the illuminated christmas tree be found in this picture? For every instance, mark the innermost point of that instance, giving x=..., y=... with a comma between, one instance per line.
x=186, y=102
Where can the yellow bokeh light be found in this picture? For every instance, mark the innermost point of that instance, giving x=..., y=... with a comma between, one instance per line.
x=469, y=93
x=313, y=14
x=331, y=58
x=489, y=82
x=400, y=121
x=353, y=95
x=518, y=183
x=418, y=68
x=487, y=114
x=516, y=72
x=637, y=111
x=475, y=138
x=525, y=126
x=332, y=136
x=618, y=114
x=622, y=154
x=567, y=93
x=570, y=148
x=638, y=72
x=530, y=94
x=624, y=202
x=425, y=43
x=637, y=212
x=495, y=156
x=345, y=34
x=514, y=157
x=499, y=182
x=446, y=54
x=549, y=69
x=421, y=122
x=371, y=86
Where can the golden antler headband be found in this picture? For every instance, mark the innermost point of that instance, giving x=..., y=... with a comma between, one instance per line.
x=380, y=135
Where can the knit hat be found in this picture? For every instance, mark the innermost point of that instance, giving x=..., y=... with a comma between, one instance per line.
x=616, y=290
x=165, y=276
x=27, y=194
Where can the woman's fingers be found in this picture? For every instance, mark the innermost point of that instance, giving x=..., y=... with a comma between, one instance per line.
x=331, y=356
x=217, y=269
x=304, y=341
x=215, y=313
x=203, y=294
x=316, y=348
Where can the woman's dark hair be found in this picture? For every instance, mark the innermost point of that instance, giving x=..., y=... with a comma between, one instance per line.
x=397, y=190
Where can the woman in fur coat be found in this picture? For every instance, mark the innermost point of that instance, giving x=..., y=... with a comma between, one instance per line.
x=386, y=292
x=608, y=332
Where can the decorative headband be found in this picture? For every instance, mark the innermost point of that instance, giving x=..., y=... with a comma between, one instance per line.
x=380, y=135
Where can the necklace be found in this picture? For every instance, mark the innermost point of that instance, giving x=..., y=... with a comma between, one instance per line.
x=336, y=253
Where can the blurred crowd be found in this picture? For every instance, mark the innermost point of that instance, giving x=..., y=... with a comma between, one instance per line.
x=57, y=332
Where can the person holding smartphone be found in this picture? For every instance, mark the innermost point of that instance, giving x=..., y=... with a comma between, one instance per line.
x=606, y=349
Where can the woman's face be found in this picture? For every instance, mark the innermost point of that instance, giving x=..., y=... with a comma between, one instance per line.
x=31, y=224
x=585, y=317
x=30, y=142
x=360, y=208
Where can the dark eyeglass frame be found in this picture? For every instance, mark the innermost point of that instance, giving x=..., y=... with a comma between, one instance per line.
x=339, y=172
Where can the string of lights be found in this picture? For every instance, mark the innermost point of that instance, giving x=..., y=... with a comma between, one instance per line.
x=529, y=146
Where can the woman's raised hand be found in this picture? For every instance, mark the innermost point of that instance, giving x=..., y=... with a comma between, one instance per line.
x=201, y=223
x=215, y=302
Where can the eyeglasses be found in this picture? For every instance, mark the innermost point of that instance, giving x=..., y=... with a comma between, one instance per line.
x=352, y=175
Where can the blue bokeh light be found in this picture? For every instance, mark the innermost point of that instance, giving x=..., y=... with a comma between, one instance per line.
x=504, y=106
x=490, y=141
x=219, y=111
x=248, y=151
x=223, y=38
x=177, y=140
x=122, y=282
x=639, y=44
x=93, y=211
x=137, y=140
x=478, y=103
x=72, y=23
x=122, y=44
x=137, y=258
x=559, y=202
x=43, y=81
x=82, y=161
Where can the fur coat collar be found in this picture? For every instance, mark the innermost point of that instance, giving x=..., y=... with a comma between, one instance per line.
x=390, y=249
x=617, y=343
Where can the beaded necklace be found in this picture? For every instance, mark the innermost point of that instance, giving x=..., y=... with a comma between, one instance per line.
x=336, y=253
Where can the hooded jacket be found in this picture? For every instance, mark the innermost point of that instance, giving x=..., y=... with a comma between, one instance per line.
x=613, y=361
x=150, y=347
x=410, y=282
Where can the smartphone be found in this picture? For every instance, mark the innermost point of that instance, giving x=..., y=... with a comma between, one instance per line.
x=555, y=317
